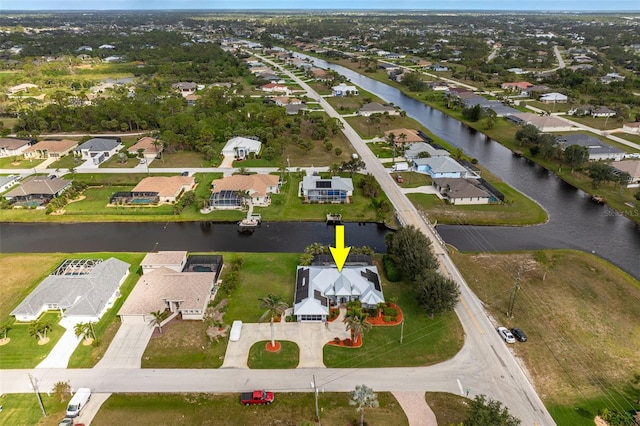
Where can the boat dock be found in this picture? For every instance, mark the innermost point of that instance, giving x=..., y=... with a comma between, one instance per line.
x=334, y=219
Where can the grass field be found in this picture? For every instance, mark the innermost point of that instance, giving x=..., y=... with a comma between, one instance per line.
x=24, y=350
x=261, y=358
x=23, y=410
x=449, y=409
x=225, y=409
x=8, y=163
x=582, y=321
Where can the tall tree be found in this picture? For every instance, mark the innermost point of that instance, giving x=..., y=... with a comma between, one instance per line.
x=412, y=249
x=600, y=172
x=489, y=412
x=274, y=307
x=575, y=155
x=362, y=397
x=357, y=325
x=436, y=293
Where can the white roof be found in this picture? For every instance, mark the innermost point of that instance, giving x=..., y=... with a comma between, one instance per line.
x=240, y=142
x=441, y=164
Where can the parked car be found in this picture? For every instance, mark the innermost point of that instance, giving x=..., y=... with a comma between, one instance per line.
x=519, y=334
x=66, y=422
x=257, y=397
x=506, y=334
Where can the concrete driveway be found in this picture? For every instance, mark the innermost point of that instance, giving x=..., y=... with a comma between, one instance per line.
x=127, y=347
x=309, y=336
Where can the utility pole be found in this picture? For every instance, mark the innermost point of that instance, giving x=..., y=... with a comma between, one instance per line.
x=402, y=329
x=315, y=390
x=34, y=386
x=516, y=287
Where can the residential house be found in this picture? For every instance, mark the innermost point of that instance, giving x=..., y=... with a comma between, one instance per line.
x=633, y=128
x=598, y=150
x=335, y=190
x=167, y=188
x=319, y=287
x=376, y=108
x=516, y=86
x=22, y=88
x=414, y=150
x=439, y=85
x=275, y=87
x=81, y=289
x=462, y=191
x=632, y=167
x=320, y=74
x=285, y=100
x=343, y=89
x=603, y=112
x=13, y=147
x=151, y=147
x=192, y=99
x=185, y=88
x=553, y=98
x=404, y=136
x=295, y=109
x=98, y=150
x=611, y=77
x=442, y=167
x=240, y=148
x=106, y=46
x=50, y=149
x=544, y=123
x=389, y=68
x=258, y=188
x=7, y=182
x=186, y=293
x=174, y=260
x=439, y=67
x=37, y=190
x=581, y=110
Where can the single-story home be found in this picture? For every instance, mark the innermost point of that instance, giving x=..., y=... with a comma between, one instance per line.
x=37, y=190
x=633, y=128
x=240, y=147
x=344, y=90
x=516, y=86
x=318, y=287
x=439, y=85
x=259, y=187
x=185, y=88
x=295, y=109
x=376, y=108
x=553, y=98
x=410, y=136
x=603, y=112
x=335, y=190
x=165, y=286
x=442, y=167
x=544, y=123
x=414, y=150
x=50, y=149
x=581, y=110
x=12, y=147
x=598, y=150
x=22, y=87
x=462, y=191
x=83, y=289
x=150, y=147
x=632, y=167
x=168, y=188
x=98, y=150
x=174, y=260
x=286, y=100
x=275, y=87
x=7, y=182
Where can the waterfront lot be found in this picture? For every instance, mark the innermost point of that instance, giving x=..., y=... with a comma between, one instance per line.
x=581, y=320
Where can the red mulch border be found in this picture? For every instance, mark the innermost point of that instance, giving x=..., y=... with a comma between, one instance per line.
x=356, y=344
x=379, y=321
x=331, y=310
x=274, y=349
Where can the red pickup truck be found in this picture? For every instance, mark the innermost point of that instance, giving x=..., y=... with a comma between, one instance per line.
x=256, y=397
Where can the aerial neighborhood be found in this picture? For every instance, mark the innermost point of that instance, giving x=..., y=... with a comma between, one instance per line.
x=430, y=217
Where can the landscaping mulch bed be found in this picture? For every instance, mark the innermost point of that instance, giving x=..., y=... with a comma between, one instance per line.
x=346, y=343
x=378, y=320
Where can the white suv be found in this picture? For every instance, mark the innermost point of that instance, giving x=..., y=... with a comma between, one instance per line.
x=506, y=335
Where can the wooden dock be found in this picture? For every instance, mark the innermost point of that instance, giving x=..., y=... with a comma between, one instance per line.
x=334, y=219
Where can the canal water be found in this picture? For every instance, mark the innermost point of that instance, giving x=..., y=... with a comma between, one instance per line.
x=575, y=221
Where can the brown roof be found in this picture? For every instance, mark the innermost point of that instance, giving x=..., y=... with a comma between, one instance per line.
x=411, y=135
x=164, y=258
x=35, y=185
x=192, y=289
x=630, y=166
x=53, y=146
x=256, y=184
x=146, y=144
x=13, y=143
x=541, y=121
x=461, y=188
x=165, y=186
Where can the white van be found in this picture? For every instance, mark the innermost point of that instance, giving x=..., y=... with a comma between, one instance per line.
x=401, y=166
x=78, y=402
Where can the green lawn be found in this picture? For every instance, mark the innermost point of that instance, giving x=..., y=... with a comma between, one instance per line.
x=449, y=409
x=184, y=159
x=225, y=409
x=115, y=162
x=23, y=351
x=21, y=163
x=382, y=149
x=66, y=162
x=23, y=409
x=600, y=123
x=426, y=340
x=261, y=358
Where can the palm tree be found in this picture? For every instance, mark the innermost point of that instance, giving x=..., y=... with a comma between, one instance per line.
x=357, y=325
x=158, y=317
x=274, y=308
x=39, y=329
x=362, y=397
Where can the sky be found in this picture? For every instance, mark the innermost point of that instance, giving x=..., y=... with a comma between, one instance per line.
x=544, y=5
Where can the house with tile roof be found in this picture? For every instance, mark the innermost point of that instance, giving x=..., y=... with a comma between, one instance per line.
x=13, y=147
x=82, y=289
x=150, y=147
x=174, y=260
x=335, y=190
x=167, y=188
x=410, y=136
x=37, y=190
x=632, y=167
x=319, y=287
x=50, y=148
x=98, y=150
x=258, y=187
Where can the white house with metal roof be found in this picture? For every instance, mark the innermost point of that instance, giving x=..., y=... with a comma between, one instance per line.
x=335, y=190
x=442, y=167
x=318, y=287
x=82, y=289
x=598, y=150
x=98, y=149
x=240, y=147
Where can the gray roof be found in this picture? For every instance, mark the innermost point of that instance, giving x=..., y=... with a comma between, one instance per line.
x=98, y=145
x=441, y=164
x=376, y=107
x=38, y=185
x=79, y=295
x=595, y=145
x=461, y=188
x=336, y=182
x=416, y=148
x=14, y=143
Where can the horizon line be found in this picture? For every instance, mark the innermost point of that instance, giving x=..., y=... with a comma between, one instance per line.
x=635, y=11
